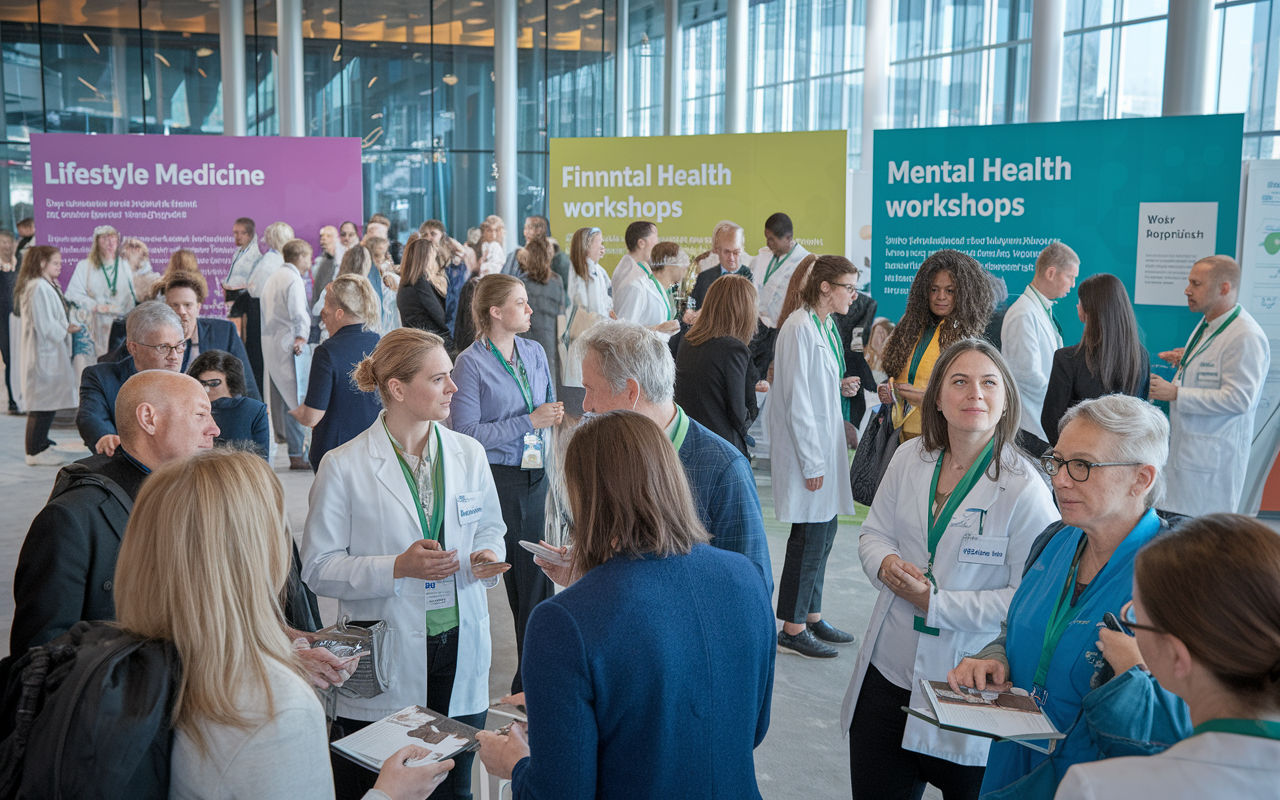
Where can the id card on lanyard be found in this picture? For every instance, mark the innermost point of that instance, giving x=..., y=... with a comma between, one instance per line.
x=1192, y=352
x=938, y=523
x=439, y=595
x=1062, y=615
x=531, y=456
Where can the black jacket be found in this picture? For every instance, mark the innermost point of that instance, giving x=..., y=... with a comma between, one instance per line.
x=68, y=560
x=422, y=307
x=708, y=277
x=1070, y=381
x=715, y=384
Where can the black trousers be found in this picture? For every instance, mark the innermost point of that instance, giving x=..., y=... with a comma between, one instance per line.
x=522, y=495
x=351, y=780
x=5, y=353
x=878, y=765
x=800, y=589
x=38, y=424
x=761, y=348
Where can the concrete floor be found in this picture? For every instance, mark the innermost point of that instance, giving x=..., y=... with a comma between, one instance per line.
x=804, y=755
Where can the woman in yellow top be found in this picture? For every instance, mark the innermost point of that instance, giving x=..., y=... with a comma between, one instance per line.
x=950, y=300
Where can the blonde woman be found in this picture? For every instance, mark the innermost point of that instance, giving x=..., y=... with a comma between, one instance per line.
x=336, y=410
x=247, y=721
x=277, y=235
x=493, y=237
x=102, y=287
x=405, y=526
x=138, y=257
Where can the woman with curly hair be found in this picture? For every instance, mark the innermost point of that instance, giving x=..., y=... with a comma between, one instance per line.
x=950, y=300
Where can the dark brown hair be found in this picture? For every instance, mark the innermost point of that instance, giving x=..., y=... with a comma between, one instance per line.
x=729, y=309
x=578, y=251
x=220, y=361
x=492, y=290
x=1214, y=582
x=535, y=257
x=1110, y=342
x=805, y=288
x=973, y=305
x=184, y=279
x=933, y=424
x=34, y=260
x=627, y=492
x=421, y=259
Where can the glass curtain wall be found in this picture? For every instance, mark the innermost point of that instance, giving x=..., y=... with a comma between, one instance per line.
x=646, y=51
x=1248, y=67
x=1113, y=59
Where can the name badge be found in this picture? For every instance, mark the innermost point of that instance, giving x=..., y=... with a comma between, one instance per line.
x=1208, y=376
x=469, y=507
x=531, y=457
x=983, y=549
x=441, y=594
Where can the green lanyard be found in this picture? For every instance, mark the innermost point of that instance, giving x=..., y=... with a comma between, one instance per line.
x=1263, y=728
x=435, y=528
x=666, y=296
x=1191, y=348
x=113, y=279
x=921, y=346
x=1047, y=309
x=1061, y=617
x=832, y=337
x=775, y=263
x=526, y=389
x=681, y=430
x=938, y=523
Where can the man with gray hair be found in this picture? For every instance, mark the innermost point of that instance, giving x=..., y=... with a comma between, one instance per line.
x=1031, y=335
x=626, y=366
x=153, y=334
x=726, y=243
x=1214, y=394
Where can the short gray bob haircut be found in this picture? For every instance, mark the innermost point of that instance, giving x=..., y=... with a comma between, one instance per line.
x=148, y=317
x=1138, y=432
x=627, y=351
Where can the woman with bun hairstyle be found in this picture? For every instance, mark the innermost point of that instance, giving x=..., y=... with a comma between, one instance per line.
x=405, y=526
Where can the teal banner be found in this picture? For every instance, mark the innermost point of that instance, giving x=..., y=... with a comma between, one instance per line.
x=1141, y=199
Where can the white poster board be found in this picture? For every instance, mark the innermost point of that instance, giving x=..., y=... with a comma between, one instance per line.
x=1171, y=238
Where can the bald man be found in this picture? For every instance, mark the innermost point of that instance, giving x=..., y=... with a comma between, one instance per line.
x=1214, y=394
x=68, y=561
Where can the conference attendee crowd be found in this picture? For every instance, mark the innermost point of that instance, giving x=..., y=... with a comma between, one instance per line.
x=476, y=411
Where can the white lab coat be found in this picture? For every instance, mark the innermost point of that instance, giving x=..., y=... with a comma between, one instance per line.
x=626, y=272
x=806, y=426
x=1028, y=341
x=1209, y=765
x=361, y=517
x=285, y=317
x=262, y=271
x=88, y=289
x=771, y=295
x=242, y=264
x=641, y=302
x=48, y=377
x=1211, y=422
x=972, y=599
x=492, y=257
x=586, y=296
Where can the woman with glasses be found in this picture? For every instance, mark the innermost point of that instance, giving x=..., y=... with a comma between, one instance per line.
x=950, y=300
x=1205, y=617
x=948, y=533
x=242, y=421
x=808, y=460
x=1106, y=471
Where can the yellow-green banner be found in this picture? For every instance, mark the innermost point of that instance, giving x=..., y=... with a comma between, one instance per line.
x=688, y=184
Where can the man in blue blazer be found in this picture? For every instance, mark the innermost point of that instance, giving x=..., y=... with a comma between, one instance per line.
x=185, y=292
x=153, y=336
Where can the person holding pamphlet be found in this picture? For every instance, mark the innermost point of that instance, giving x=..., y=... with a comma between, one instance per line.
x=405, y=528
x=945, y=541
x=1106, y=471
x=246, y=720
x=1206, y=617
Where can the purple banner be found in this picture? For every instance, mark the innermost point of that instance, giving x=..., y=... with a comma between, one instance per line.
x=177, y=192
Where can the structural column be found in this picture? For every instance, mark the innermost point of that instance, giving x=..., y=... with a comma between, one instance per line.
x=1048, y=24
x=672, y=69
x=1188, y=50
x=289, y=76
x=621, y=74
x=735, y=72
x=505, y=110
x=875, y=76
x=231, y=50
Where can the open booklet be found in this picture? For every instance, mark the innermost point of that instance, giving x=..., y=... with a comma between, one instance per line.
x=372, y=745
x=996, y=715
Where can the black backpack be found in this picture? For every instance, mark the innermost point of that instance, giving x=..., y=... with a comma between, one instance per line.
x=88, y=715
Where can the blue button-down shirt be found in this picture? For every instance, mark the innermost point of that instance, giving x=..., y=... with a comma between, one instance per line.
x=489, y=406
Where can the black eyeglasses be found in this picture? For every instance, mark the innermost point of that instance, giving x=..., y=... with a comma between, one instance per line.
x=1078, y=468
x=165, y=349
x=1129, y=619
x=851, y=288
x=212, y=383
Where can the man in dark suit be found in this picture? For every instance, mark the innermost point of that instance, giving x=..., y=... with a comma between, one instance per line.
x=68, y=561
x=153, y=336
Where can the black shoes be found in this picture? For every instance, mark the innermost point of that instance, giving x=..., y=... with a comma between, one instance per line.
x=805, y=644
x=832, y=635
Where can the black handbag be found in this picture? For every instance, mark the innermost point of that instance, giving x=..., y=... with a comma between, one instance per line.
x=873, y=455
